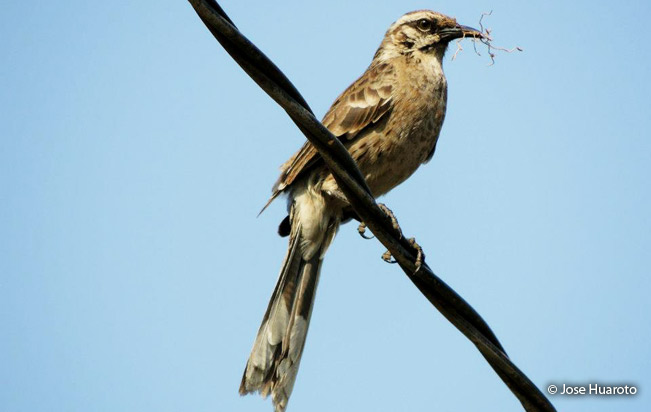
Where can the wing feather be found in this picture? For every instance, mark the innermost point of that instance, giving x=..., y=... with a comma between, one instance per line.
x=362, y=104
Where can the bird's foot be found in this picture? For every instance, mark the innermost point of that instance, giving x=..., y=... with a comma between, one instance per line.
x=387, y=257
x=389, y=213
x=420, y=256
x=361, y=229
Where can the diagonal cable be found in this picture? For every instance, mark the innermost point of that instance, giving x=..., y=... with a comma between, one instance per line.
x=352, y=183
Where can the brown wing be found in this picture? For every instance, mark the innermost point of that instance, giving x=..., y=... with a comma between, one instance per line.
x=364, y=103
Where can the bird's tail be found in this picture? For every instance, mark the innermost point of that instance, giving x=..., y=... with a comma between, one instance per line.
x=276, y=354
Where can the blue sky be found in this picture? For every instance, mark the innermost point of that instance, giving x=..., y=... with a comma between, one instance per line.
x=135, y=156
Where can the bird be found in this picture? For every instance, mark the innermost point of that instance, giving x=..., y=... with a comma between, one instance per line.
x=389, y=120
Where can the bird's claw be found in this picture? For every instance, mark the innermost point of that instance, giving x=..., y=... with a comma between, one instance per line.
x=361, y=229
x=386, y=256
x=420, y=256
x=389, y=213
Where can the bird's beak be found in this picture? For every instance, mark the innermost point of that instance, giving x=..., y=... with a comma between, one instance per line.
x=458, y=32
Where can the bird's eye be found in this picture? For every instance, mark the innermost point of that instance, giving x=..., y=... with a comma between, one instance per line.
x=424, y=25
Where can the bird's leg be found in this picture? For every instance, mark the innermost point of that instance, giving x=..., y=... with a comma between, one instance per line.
x=420, y=256
x=361, y=229
x=386, y=256
x=389, y=213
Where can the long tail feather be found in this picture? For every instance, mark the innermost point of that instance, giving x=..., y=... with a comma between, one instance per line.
x=276, y=354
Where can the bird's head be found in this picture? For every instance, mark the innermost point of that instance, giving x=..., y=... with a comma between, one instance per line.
x=423, y=31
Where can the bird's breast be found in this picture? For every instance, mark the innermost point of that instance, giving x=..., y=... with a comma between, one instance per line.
x=393, y=151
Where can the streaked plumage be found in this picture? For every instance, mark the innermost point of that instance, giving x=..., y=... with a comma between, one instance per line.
x=389, y=120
